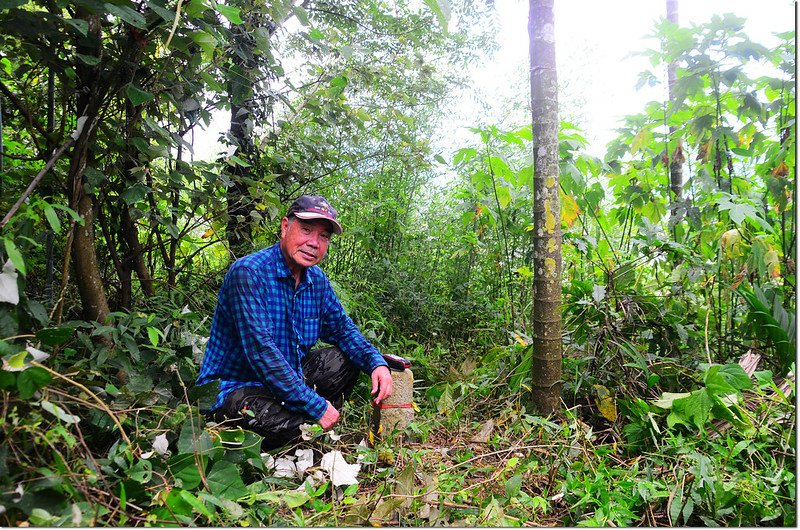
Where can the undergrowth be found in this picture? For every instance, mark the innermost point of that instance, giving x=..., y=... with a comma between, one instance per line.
x=88, y=441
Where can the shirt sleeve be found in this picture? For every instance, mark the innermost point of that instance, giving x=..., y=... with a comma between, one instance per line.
x=337, y=328
x=250, y=310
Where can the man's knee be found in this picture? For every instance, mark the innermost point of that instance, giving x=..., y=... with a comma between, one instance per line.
x=330, y=373
x=255, y=409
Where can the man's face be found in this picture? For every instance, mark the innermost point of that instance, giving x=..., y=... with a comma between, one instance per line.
x=304, y=242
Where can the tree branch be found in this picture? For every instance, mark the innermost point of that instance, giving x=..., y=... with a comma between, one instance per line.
x=24, y=110
x=35, y=182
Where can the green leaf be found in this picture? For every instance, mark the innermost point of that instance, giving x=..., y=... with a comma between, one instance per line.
x=212, y=82
x=513, y=486
x=15, y=363
x=193, y=439
x=91, y=60
x=141, y=472
x=52, y=218
x=206, y=41
x=153, y=335
x=230, y=12
x=185, y=467
x=59, y=413
x=441, y=9
x=137, y=96
x=293, y=499
x=205, y=395
x=14, y=255
x=80, y=25
x=727, y=379
x=691, y=410
x=503, y=195
x=54, y=336
x=11, y=4
x=166, y=14
x=235, y=160
x=127, y=14
x=135, y=193
x=225, y=481
x=196, y=503
x=31, y=380
x=8, y=381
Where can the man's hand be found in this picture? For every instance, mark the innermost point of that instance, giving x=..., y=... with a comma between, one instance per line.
x=329, y=419
x=381, y=383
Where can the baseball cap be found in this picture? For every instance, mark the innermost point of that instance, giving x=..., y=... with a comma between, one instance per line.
x=314, y=207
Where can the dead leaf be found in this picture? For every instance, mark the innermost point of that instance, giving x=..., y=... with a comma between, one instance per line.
x=485, y=433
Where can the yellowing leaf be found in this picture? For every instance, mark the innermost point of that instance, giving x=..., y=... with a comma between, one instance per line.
x=569, y=209
x=730, y=242
x=641, y=139
x=605, y=403
x=773, y=263
x=16, y=363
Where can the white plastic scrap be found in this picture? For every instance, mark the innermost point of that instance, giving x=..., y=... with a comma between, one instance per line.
x=160, y=444
x=38, y=355
x=9, y=292
x=305, y=459
x=341, y=473
x=305, y=431
x=284, y=467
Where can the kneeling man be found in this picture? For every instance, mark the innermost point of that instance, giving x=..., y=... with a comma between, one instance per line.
x=273, y=307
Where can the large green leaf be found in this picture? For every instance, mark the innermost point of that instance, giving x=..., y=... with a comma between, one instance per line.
x=727, y=379
x=194, y=439
x=230, y=12
x=127, y=14
x=14, y=255
x=31, y=380
x=55, y=336
x=441, y=9
x=691, y=410
x=137, y=96
x=225, y=481
x=187, y=468
x=779, y=331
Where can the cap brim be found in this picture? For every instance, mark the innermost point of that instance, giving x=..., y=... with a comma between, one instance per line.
x=337, y=228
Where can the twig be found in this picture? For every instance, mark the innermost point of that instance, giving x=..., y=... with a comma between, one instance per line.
x=520, y=448
x=25, y=110
x=36, y=180
x=100, y=402
x=174, y=24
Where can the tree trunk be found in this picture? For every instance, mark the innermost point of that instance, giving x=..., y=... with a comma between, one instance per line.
x=676, y=158
x=87, y=271
x=239, y=228
x=133, y=253
x=546, y=356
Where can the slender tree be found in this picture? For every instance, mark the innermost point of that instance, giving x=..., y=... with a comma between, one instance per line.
x=546, y=367
x=677, y=158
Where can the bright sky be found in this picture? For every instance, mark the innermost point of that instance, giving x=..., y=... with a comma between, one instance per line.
x=594, y=40
x=597, y=76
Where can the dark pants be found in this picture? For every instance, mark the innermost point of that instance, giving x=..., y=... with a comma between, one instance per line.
x=327, y=371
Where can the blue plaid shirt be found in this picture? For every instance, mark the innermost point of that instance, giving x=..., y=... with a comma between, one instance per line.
x=263, y=328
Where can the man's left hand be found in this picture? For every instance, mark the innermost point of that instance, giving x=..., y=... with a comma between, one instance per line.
x=381, y=383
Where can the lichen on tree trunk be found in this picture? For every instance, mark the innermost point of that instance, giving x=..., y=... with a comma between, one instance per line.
x=546, y=356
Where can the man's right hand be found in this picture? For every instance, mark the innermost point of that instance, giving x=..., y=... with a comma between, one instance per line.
x=329, y=419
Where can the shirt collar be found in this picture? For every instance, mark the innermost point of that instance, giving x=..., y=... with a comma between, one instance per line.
x=282, y=270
